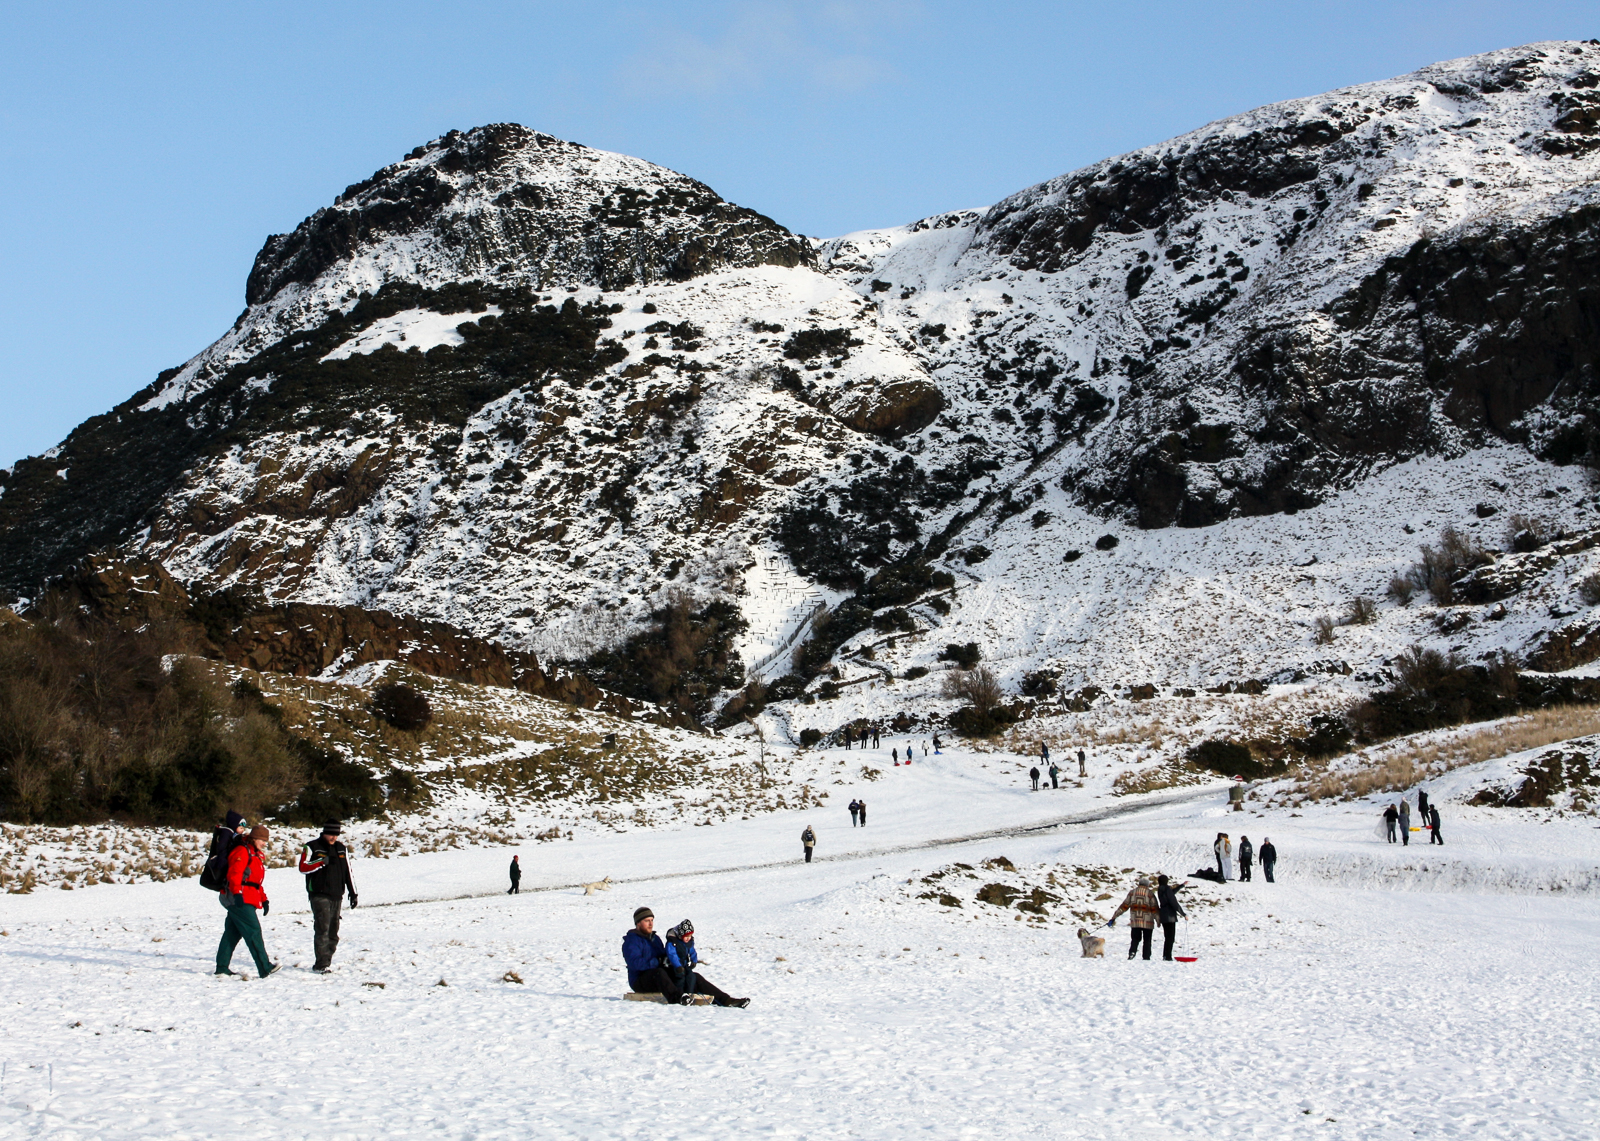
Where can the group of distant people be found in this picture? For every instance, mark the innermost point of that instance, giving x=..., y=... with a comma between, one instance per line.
x=1398, y=816
x=1052, y=770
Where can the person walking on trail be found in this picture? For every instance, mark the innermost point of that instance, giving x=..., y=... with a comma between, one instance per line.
x=649, y=972
x=516, y=878
x=1171, y=910
x=1224, y=848
x=1269, y=858
x=809, y=839
x=242, y=894
x=1246, y=855
x=1082, y=772
x=1433, y=821
x=861, y=807
x=1405, y=822
x=854, y=808
x=1033, y=775
x=214, y=873
x=1054, y=774
x=1391, y=815
x=326, y=865
x=1145, y=909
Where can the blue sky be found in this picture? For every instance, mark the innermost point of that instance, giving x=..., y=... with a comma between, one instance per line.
x=151, y=148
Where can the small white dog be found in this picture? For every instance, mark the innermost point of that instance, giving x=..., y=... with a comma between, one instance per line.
x=598, y=885
x=1094, y=947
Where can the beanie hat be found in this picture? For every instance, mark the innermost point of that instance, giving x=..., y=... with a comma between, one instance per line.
x=642, y=913
x=259, y=832
x=331, y=828
x=1144, y=881
x=232, y=820
x=682, y=930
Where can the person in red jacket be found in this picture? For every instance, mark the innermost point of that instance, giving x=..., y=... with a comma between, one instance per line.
x=244, y=892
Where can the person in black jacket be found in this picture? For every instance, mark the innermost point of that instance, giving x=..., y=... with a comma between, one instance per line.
x=1033, y=775
x=1247, y=855
x=326, y=865
x=1171, y=910
x=1433, y=822
x=1391, y=816
x=516, y=877
x=861, y=810
x=1269, y=859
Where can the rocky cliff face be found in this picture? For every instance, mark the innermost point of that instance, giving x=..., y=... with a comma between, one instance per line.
x=526, y=388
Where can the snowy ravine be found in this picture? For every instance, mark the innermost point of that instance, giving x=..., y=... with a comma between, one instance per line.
x=530, y=388
x=1446, y=991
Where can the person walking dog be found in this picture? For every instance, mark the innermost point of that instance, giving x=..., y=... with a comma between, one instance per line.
x=1146, y=908
x=326, y=865
x=242, y=894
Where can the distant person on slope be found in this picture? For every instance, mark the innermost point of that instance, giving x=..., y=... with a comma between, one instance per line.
x=1033, y=775
x=1225, y=856
x=1405, y=822
x=1055, y=773
x=1433, y=819
x=875, y=737
x=326, y=865
x=1422, y=806
x=648, y=971
x=1391, y=816
x=1216, y=849
x=242, y=895
x=1171, y=910
x=936, y=751
x=1146, y=908
x=809, y=839
x=895, y=755
x=1082, y=772
x=861, y=805
x=1246, y=855
x=1269, y=859
x=516, y=878
x=854, y=808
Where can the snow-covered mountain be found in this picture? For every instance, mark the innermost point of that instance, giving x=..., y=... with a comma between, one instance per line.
x=526, y=387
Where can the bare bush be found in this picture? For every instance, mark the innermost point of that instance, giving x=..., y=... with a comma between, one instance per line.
x=976, y=686
x=1401, y=588
x=1362, y=611
x=1322, y=630
x=1589, y=588
x=1442, y=565
x=1528, y=533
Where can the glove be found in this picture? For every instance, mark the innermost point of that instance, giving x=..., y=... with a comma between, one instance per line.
x=352, y=899
x=266, y=905
x=1111, y=922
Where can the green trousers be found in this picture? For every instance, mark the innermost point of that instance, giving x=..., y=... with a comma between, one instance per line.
x=243, y=923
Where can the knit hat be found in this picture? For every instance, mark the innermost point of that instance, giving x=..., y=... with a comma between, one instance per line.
x=233, y=820
x=683, y=929
x=331, y=828
x=642, y=913
x=1144, y=881
x=259, y=832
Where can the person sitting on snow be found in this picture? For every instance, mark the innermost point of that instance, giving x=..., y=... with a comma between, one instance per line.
x=654, y=968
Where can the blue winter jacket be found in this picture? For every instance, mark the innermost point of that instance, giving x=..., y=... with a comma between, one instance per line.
x=676, y=955
x=641, y=953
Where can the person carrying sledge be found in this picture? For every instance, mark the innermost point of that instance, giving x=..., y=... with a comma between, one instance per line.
x=325, y=863
x=516, y=878
x=242, y=894
x=808, y=840
x=1391, y=816
x=1145, y=909
x=655, y=967
x=1246, y=855
x=1171, y=910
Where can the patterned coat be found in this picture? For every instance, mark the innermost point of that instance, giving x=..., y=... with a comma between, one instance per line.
x=1143, y=905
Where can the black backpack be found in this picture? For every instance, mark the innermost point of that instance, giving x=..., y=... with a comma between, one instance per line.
x=214, y=876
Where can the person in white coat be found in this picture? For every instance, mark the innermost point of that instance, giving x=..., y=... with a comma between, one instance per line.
x=1225, y=855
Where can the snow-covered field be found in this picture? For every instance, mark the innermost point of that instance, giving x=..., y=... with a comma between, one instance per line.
x=1372, y=990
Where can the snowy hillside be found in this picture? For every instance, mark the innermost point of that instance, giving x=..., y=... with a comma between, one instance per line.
x=530, y=389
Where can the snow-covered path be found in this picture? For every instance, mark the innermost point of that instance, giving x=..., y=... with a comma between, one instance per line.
x=1317, y=1008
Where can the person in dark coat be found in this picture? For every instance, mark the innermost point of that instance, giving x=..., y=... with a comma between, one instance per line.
x=326, y=865
x=1081, y=770
x=1269, y=859
x=854, y=808
x=1171, y=911
x=1247, y=854
x=861, y=807
x=651, y=971
x=1433, y=821
x=1422, y=806
x=1391, y=816
x=1055, y=774
x=516, y=878
x=1033, y=775
x=895, y=756
x=875, y=737
x=808, y=838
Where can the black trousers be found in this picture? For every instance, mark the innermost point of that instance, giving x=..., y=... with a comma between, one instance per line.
x=516, y=888
x=1140, y=933
x=325, y=929
x=808, y=853
x=1244, y=869
x=1437, y=839
x=659, y=981
x=1169, y=934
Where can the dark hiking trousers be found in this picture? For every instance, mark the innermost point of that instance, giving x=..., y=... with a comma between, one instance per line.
x=1405, y=832
x=1140, y=933
x=1244, y=869
x=1391, y=830
x=659, y=981
x=808, y=853
x=1169, y=935
x=325, y=939
x=1436, y=839
x=1266, y=869
x=515, y=888
x=243, y=923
